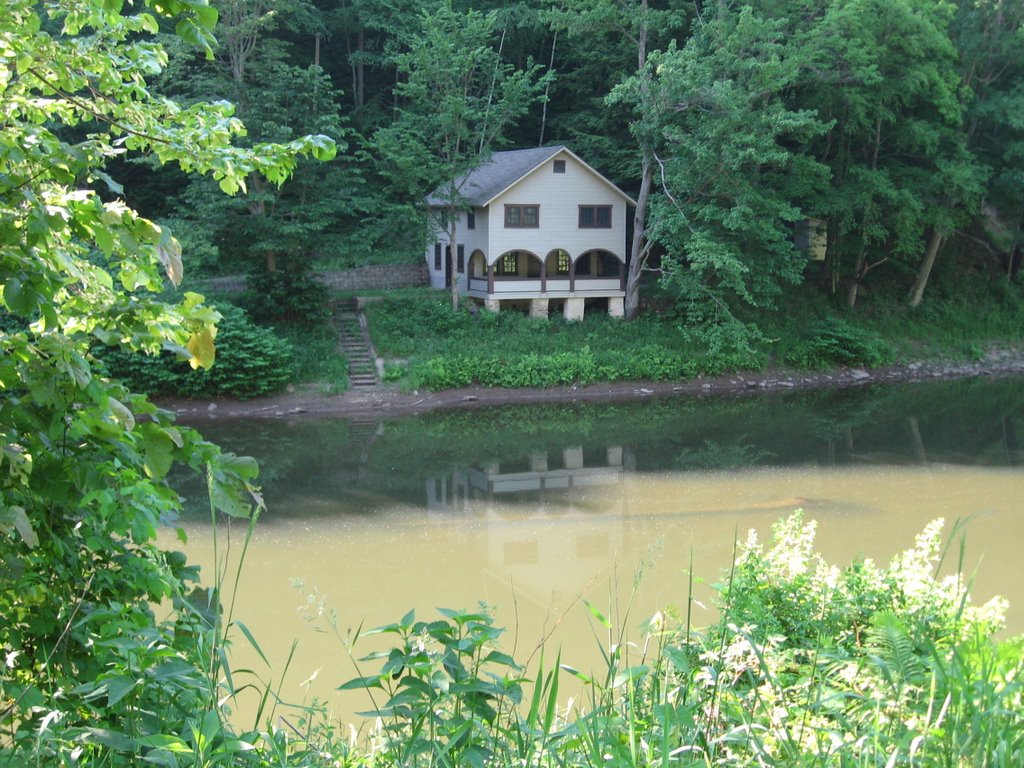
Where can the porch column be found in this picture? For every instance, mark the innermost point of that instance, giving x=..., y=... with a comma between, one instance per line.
x=622, y=275
x=544, y=276
x=572, y=276
x=490, y=279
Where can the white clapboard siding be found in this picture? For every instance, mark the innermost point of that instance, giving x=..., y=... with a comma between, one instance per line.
x=559, y=196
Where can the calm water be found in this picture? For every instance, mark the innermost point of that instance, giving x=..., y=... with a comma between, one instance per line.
x=531, y=508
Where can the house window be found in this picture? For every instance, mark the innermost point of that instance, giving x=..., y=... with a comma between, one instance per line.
x=563, y=263
x=462, y=258
x=470, y=219
x=437, y=257
x=522, y=216
x=510, y=263
x=595, y=217
x=559, y=166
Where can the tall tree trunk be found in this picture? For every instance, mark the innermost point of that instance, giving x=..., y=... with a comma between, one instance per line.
x=547, y=90
x=360, y=94
x=453, y=218
x=638, y=249
x=858, y=275
x=924, y=271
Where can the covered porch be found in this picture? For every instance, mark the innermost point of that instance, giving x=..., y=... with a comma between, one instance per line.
x=521, y=279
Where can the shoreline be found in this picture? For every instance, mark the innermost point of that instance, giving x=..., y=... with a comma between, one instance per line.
x=386, y=400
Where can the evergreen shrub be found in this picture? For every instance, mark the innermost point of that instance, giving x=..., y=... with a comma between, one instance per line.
x=252, y=361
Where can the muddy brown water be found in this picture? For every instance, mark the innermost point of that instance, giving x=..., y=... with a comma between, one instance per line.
x=531, y=509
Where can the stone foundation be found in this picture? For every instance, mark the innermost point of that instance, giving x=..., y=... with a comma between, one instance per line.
x=538, y=307
x=492, y=305
x=573, y=309
x=616, y=307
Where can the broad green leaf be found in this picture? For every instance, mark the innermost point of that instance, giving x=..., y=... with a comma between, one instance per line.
x=121, y=414
x=158, y=450
x=168, y=250
x=19, y=298
x=119, y=687
x=360, y=683
x=14, y=518
x=201, y=347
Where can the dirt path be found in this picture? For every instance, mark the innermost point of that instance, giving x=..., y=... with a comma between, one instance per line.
x=386, y=400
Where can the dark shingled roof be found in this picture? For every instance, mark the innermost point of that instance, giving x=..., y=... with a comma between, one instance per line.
x=501, y=170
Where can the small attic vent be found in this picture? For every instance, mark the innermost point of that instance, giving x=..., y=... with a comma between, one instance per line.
x=559, y=166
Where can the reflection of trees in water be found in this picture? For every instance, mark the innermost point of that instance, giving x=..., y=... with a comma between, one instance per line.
x=966, y=422
x=715, y=455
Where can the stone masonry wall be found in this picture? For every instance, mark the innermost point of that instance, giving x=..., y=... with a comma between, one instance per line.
x=370, y=277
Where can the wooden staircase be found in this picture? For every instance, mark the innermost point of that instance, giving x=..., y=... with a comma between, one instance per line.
x=355, y=344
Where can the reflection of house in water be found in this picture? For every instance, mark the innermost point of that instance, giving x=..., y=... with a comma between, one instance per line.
x=530, y=478
x=555, y=518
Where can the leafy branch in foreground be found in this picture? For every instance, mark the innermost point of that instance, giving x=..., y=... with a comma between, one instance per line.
x=90, y=672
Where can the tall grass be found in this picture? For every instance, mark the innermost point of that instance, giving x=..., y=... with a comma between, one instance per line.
x=808, y=665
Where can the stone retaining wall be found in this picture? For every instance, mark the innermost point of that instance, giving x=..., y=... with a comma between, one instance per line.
x=368, y=278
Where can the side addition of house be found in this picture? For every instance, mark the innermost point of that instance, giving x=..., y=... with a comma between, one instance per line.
x=539, y=230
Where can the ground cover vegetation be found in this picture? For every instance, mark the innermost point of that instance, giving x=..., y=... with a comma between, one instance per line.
x=430, y=346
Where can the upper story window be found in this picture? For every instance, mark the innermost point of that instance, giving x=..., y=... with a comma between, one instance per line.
x=461, y=258
x=559, y=166
x=595, y=217
x=437, y=257
x=527, y=216
x=470, y=219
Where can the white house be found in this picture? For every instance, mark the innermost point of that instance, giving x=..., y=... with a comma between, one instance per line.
x=538, y=229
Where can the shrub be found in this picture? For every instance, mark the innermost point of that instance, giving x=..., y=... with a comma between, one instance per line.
x=251, y=362
x=836, y=342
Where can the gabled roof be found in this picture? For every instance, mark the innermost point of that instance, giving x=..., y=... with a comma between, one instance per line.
x=479, y=187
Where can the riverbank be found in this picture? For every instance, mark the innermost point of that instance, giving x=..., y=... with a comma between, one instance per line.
x=385, y=399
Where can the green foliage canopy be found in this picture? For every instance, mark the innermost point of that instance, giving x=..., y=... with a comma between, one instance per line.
x=83, y=461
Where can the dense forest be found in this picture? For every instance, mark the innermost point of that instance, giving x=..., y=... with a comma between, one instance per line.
x=895, y=126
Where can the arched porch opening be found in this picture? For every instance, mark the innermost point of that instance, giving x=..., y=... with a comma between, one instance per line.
x=477, y=264
x=518, y=264
x=558, y=263
x=598, y=263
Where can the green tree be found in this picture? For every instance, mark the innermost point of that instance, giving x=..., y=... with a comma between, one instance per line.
x=90, y=672
x=265, y=63
x=635, y=29
x=457, y=99
x=734, y=172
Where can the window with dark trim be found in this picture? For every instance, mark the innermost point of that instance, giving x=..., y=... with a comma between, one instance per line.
x=559, y=166
x=595, y=217
x=510, y=263
x=437, y=257
x=461, y=251
x=562, y=264
x=522, y=216
x=470, y=219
